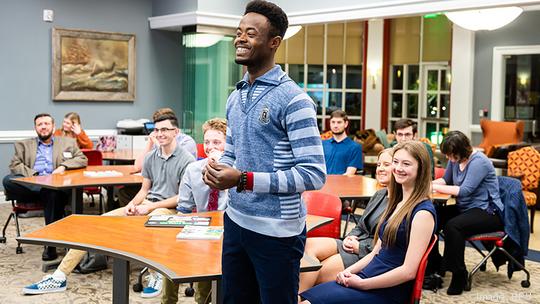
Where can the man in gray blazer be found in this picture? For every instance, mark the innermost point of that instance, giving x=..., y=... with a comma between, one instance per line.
x=43, y=155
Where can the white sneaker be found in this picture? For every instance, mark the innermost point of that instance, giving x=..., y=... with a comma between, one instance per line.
x=155, y=283
x=47, y=285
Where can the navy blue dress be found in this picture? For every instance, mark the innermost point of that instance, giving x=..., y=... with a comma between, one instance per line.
x=387, y=259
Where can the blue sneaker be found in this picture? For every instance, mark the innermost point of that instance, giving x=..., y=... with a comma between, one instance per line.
x=47, y=285
x=155, y=283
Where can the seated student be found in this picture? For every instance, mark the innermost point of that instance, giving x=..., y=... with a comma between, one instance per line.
x=336, y=255
x=163, y=171
x=43, y=155
x=470, y=177
x=71, y=127
x=195, y=196
x=386, y=275
x=185, y=141
x=342, y=154
x=405, y=129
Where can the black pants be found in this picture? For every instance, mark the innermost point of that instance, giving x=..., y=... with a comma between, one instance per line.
x=457, y=227
x=54, y=200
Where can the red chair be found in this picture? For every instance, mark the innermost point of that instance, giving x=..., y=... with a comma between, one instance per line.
x=419, y=280
x=439, y=172
x=95, y=158
x=18, y=208
x=200, y=151
x=323, y=204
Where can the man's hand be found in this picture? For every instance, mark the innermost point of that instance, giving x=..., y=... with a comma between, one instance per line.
x=76, y=128
x=130, y=208
x=220, y=176
x=350, y=244
x=59, y=170
x=143, y=209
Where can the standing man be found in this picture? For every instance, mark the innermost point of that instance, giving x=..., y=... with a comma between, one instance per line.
x=274, y=145
x=342, y=154
x=405, y=129
x=43, y=156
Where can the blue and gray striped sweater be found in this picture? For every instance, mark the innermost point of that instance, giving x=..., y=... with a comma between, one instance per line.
x=272, y=131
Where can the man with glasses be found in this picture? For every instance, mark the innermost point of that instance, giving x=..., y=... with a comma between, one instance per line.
x=405, y=130
x=162, y=172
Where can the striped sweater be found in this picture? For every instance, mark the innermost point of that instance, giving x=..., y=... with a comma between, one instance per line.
x=272, y=131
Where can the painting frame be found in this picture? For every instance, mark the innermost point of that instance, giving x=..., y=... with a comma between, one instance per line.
x=127, y=90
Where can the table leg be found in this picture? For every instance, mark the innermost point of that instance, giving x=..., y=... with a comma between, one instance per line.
x=76, y=201
x=111, y=203
x=120, y=281
x=217, y=297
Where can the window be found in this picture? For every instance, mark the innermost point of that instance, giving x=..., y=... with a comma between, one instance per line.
x=326, y=61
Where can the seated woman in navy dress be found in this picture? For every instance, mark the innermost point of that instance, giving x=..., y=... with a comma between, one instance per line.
x=386, y=275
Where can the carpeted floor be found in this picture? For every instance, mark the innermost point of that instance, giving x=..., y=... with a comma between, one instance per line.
x=16, y=271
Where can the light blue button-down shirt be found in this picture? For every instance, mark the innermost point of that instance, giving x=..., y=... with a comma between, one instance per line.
x=44, y=161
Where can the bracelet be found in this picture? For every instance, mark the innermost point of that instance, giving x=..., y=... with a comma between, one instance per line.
x=242, y=182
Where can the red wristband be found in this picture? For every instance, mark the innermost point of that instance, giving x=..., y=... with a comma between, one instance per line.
x=249, y=183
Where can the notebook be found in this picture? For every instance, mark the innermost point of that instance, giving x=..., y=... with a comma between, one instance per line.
x=200, y=233
x=176, y=221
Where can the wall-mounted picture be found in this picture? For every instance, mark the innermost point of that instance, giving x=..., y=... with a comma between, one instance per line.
x=93, y=66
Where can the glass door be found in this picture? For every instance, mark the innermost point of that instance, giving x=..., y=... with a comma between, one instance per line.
x=435, y=102
x=522, y=92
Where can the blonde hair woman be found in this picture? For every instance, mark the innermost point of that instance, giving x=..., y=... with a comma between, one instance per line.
x=386, y=275
x=71, y=127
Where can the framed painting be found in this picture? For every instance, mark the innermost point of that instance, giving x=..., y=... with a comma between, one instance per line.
x=92, y=66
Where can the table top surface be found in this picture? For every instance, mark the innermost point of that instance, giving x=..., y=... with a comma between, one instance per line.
x=75, y=178
x=122, y=154
x=360, y=187
x=126, y=237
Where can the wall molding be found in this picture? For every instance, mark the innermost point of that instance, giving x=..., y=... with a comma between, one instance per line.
x=13, y=136
x=379, y=9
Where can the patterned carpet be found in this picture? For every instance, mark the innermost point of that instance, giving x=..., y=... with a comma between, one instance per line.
x=16, y=271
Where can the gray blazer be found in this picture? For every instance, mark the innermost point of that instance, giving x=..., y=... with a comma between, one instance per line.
x=23, y=161
x=365, y=230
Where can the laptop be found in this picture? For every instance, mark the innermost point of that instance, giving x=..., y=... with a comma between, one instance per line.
x=148, y=127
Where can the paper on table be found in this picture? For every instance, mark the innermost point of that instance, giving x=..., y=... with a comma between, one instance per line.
x=107, y=173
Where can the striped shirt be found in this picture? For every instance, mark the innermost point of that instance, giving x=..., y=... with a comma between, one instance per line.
x=273, y=134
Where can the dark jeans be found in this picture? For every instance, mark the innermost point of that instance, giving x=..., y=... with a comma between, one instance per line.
x=53, y=201
x=259, y=268
x=457, y=227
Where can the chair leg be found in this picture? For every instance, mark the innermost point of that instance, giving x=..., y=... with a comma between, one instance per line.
x=533, y=211
x=19, y=249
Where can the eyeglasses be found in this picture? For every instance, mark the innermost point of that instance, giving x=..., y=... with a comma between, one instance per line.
x=404, y=135
x=163, y=130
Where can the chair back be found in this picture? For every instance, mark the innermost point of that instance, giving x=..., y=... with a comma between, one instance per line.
x=500, y=132
x=323, y=204
x=200, y=151
x=439, y=172
x=525, y=163
x=95, y=158
x=419, y=280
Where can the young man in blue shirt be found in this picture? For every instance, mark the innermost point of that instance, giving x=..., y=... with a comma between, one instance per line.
x=274, y=145
x=342, y=154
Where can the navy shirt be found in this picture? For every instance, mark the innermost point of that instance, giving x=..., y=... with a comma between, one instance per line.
x=340, y=155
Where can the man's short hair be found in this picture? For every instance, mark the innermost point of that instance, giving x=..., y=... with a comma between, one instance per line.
x=168, y=116
x=275, y=15
x=162, y=111
x=43, y=115
x=339, y=114
x=218, y=124
x=405, y=123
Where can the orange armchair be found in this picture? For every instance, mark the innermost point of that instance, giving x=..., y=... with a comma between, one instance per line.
x=496, y=133
x=525, y=164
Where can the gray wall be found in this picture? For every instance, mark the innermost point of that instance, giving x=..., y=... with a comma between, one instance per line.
x=167, y=7
x=25, y=61
x=523, y=31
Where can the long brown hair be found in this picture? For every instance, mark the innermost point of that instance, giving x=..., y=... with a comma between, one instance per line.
x=73, y=117
x=420, y=193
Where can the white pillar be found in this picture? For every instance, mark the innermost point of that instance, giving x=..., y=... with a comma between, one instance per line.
x=373, y=89
x=461, y=97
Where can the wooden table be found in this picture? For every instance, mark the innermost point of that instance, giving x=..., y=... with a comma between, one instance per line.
x=127, y=240
x=75, y=181
x=121, y=156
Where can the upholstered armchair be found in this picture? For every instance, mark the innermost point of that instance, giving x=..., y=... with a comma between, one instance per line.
x=499, y=133
x=525, y=164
